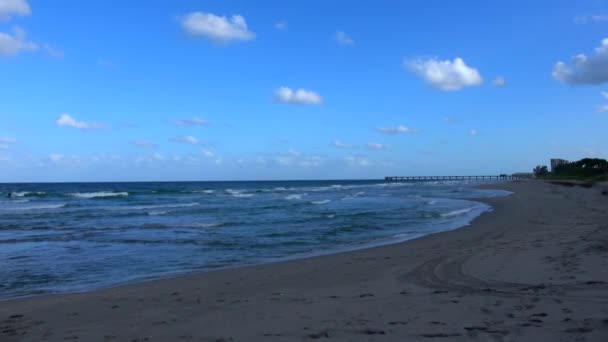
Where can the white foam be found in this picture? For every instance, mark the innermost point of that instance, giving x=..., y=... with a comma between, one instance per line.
x=36, y=207
x=99, y=194
x=158, y=206
x=157, y=213
x=27, y=193
x=237, y=193
x=207, y=225
x=457, y=212
x=295, y=196
x=321, y=202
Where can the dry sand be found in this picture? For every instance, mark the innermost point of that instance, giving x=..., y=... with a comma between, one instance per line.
x=535, y=269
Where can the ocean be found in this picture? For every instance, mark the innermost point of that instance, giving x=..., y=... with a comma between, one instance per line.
x=70, y=237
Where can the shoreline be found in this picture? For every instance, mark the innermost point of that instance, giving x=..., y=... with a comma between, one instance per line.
x=352, y=247
x=534, y=268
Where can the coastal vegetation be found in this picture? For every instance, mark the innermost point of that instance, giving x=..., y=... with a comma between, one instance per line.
x=587, y=171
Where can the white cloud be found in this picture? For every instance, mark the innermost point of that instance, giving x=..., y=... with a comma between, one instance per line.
x=143, y=144
x=56, y=157
x=397, y=130
x=448, y=119
x=594, y=18
x=192, y=122
x=376, y=146
x=65, y=120
x=445, y=75
x=187, y=139
x=357, y=161
x=208, y=154
x=603, y=108
x=343, y=38
x=281, y=25
x=6, y=140
x=584, y=69
x=605, y=94
x=217, y=28
x=473, y=132
x=12, y=45
x=9, y=8
x=340, y=144
x=300, y=96
x=499, y=82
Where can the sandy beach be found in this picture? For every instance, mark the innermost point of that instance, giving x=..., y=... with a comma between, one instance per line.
x=534, y=269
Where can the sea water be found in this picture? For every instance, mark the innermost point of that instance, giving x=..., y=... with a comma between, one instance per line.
x=68, y=237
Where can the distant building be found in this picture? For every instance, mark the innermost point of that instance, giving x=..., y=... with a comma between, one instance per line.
x=557, y=162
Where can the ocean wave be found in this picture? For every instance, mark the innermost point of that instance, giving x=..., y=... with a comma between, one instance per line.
x=431, y=202
x=237, y=193
x=36, y=207
x=321, y=202
x=157, y=213
x=27, y=194
x=98, y=194
x=456, y=212
x=154, y=206
x=295, y=196
x=207, y=225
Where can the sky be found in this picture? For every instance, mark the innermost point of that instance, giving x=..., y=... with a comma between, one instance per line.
x=274, y=90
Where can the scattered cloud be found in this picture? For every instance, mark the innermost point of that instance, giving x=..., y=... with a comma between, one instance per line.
x=499, y=82
x=357, y=161
x=473, y=132
x=12, y=45
x=300, y=96
x=603, y=108
x=56, y=157
x=208, y=153
x=343, y=38
x=65, y=120
x=449, y=119
x=187, y=139
x=585, y=69
x=55, y=53
x=9, y=8
x=445, y=75
x=194, y=121
x=217, y=28
x=376, y=146
x=6, y=140
x=142, y=144
x=593, y=18
x=340, y=144
x=397, y=130
x=281, y=25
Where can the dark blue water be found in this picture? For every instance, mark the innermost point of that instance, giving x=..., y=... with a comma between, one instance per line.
x=81, y=236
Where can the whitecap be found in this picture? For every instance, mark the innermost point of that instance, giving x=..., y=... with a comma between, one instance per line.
x=27, y=193
x=157, y=213
x=321, y=202
x=456, y=212
x=36, y=207
x=99, y=194
x=295, y=196
x=157, y=206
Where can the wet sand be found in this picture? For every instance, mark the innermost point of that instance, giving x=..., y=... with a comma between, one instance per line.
x=534, y=269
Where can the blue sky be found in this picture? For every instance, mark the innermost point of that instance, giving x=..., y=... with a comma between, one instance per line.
x=221, y=90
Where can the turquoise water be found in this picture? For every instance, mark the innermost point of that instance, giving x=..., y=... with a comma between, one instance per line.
x=79, y=236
